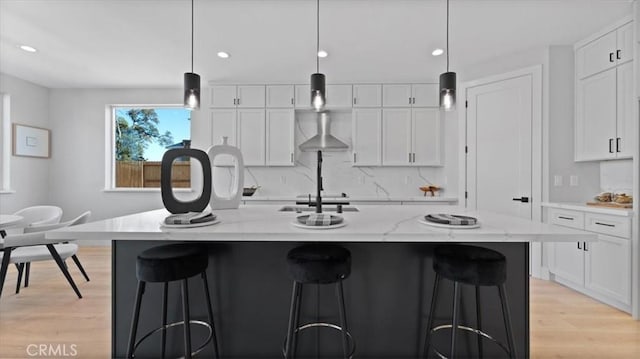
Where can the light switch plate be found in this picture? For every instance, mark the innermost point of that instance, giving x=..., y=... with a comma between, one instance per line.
x=557, y=180
x=573, y=180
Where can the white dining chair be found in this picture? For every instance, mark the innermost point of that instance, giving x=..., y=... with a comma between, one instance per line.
x=40, y=215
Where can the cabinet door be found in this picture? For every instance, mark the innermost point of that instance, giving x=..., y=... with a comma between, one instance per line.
x=251, y=96
x=223, y=96
x=367, y=141
x=223, y=124
x=367, y=95
x=596, y=117
x=597, y=55
x=396, y=137
x=396, y=95
x=280, y=96
x=303, y=97
x=337, y=96
x=624, y=51
x=426, y=137
x=280, y=146
x=251, y=136
x=425, y=95
x=625, y=120
x=567, y=261
x=608, y=267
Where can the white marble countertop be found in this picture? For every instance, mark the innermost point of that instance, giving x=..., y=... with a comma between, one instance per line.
x=355, y=199
x=373, y=223
x=623, y=212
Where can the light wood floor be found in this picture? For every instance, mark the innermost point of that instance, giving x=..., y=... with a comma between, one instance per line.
x=564, y=324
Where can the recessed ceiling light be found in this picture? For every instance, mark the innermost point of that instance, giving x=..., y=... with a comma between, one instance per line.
x=322, y=53
x=223, y=55
x=27, y=48
x=437, y=52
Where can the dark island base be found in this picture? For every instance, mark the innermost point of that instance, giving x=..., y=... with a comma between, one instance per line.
x=387, y=300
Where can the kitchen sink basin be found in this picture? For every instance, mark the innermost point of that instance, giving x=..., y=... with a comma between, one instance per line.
x=300, y=209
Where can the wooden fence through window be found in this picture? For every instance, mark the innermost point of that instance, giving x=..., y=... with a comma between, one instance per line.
x=147, y=174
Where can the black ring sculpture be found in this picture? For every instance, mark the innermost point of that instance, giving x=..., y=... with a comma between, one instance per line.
x=170, y=202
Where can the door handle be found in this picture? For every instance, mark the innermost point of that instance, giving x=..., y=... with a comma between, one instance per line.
x=618, y=144
x=611, y=145
x=619, y=54
x=522, y=199
x=611, y=57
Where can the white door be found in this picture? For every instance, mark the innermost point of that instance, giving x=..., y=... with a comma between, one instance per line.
x=624, y=51
x=251, y=136
x=425, y=95
x=567, y=262
x=396, y=95
x=596, y=117
x=499, y=140
x=337, y=96
x=367, y=141
x=367, y=95
x=280, y=96
x=280, y=146
x=425, y=135
x=251, y=96
x=223, y=124
x=223, y=96
x=597, y=55
x=396, y=136
x=608, y=267
x=625, y=120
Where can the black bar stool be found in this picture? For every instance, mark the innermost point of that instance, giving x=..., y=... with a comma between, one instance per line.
x=164, y=264
x=317, y=264
x=476, y=266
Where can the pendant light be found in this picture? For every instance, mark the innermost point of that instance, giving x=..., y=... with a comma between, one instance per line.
x=191, y=80
x=448, y=80
x=317, y=80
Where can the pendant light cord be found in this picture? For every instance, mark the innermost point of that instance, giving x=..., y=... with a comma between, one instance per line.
x=317, y=35
x=447, y=35
x=192, y=36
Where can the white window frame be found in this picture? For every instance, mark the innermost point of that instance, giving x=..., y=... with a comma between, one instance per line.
x=5, y=149
x=110, y=146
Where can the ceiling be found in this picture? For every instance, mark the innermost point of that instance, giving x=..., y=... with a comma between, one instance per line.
x=146, y=43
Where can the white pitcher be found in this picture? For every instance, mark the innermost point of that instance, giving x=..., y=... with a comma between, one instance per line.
x=233, y=201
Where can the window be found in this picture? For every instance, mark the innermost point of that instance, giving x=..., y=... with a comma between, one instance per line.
x=140, y=136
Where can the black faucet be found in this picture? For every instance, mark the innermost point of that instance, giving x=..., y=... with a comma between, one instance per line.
x=319, y=184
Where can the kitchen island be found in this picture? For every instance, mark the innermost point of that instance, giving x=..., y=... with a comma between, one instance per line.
x=387, y=294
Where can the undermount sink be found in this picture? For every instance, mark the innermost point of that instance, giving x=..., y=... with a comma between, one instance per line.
x=300, y=209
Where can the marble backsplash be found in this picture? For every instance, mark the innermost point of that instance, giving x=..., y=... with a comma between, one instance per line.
x=616, y=176
x=338, y=173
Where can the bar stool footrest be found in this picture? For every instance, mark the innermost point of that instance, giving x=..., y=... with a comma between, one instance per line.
x=468, y=329
x=352, y=343
x=176, y=324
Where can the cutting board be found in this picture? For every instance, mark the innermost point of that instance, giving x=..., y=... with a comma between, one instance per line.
x=610, y=204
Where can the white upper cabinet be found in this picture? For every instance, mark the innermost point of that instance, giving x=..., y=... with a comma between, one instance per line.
x=397, y=95
x=367, y=95
x=302, y=97
x=337, y=96
x=251, y=136
x=244, y=96
x=223, y=96
x=367, y=133
x=597, y=55
x=625, y=120
x=396, y=137
x=410, y=95
x=425, y=137
x=624, y=52
x=280, y=96
x=280, y=140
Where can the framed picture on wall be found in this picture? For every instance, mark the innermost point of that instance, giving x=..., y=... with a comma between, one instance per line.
x=31, y=141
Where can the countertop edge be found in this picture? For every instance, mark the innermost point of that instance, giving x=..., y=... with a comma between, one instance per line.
x=622, y=212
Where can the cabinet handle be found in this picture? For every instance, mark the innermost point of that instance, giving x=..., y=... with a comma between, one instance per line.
x=414, y=100
x=567, y=218
x=579, y=246
x=414, y=157
x=292, y=101
x=238, y=101
x=409, y=157
x=611, y=145
x=354, y=157
x=611, y=57
x=618, y=144
x=409, y=100
x=585, y=247
x=292, y=157
x=234, y=101
x=355, y=101
x=605, y=224
x=619, y=54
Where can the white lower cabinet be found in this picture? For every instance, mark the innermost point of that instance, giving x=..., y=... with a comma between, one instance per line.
x=599, y=269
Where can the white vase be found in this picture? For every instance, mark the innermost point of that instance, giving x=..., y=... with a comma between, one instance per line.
x=235, y=196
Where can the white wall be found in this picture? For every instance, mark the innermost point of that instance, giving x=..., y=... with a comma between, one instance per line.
x=77, y=178
x=29, y=176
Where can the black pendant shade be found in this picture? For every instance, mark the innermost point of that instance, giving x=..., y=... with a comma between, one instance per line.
x=192, y=90
x=448, y=91
x=318, y=99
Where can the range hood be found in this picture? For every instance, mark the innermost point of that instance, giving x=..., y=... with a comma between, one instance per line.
x=323, y=140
